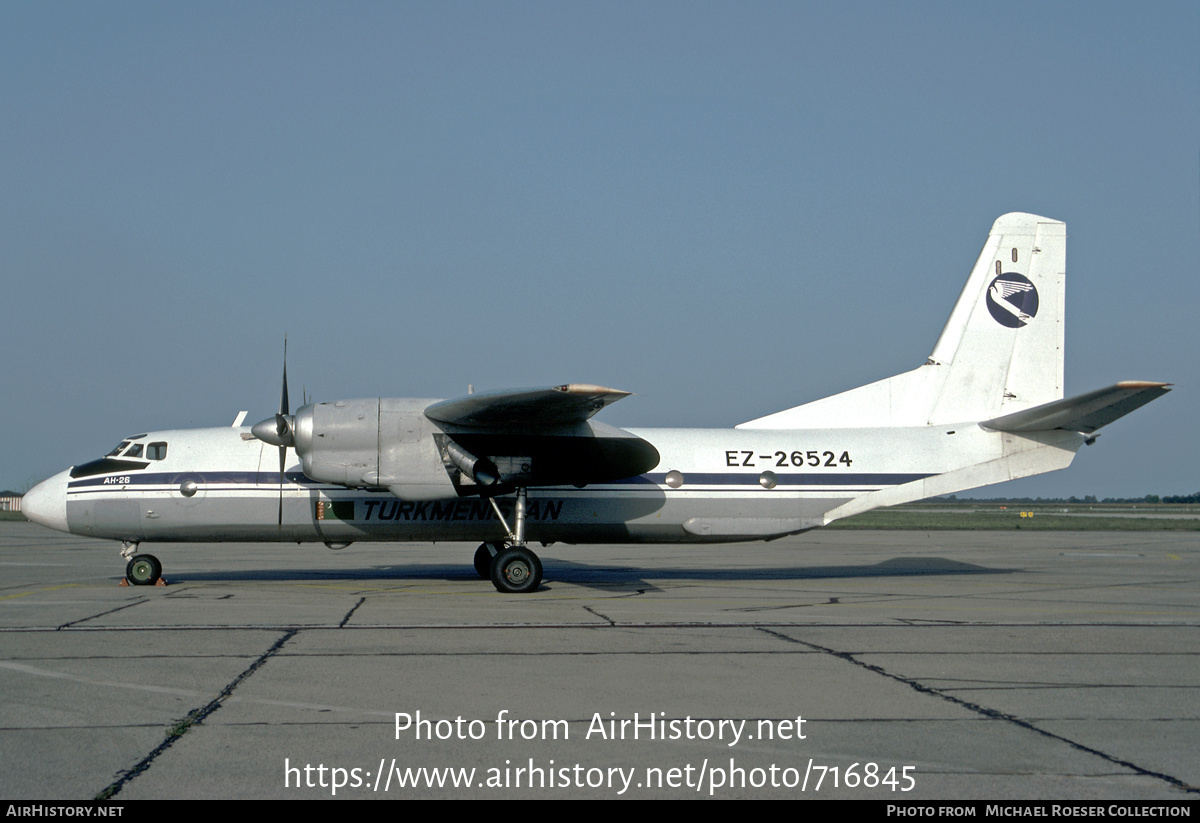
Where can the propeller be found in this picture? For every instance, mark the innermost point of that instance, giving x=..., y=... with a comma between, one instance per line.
x=279, y=430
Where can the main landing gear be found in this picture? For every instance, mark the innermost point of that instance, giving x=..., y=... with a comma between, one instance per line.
x=142, y=569
x=484, y=556
x=511, y=566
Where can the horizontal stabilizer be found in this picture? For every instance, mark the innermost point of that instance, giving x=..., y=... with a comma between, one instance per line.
x=1083, y=413
x=571, y=403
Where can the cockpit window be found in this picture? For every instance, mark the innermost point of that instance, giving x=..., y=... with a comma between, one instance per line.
x=136, y=451
x=156, y=451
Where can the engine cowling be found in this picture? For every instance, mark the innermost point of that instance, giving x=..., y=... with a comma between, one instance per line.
x=373, y=443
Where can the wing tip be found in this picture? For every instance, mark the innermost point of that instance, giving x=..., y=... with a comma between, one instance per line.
x=1144, y=384
x=591, y=388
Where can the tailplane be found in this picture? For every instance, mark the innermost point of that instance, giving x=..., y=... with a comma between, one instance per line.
x=1083, y=413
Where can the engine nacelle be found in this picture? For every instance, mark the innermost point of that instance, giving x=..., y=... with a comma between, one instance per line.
x=373, y=443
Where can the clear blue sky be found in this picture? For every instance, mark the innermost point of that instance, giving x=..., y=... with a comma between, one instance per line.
x=727, y=208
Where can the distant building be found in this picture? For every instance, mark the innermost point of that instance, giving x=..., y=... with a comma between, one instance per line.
x=10, y=501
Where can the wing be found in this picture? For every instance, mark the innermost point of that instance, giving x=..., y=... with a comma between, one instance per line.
x=1083, y=413
x=536, y=437
x=556, y=405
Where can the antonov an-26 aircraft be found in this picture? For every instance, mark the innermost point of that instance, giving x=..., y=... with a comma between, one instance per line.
x=508, y=467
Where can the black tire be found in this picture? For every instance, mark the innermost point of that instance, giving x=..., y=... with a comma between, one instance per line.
x=143, y=570
x=483, y=559
x=516, y=570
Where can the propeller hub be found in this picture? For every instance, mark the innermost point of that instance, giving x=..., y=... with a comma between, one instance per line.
x=277, y=430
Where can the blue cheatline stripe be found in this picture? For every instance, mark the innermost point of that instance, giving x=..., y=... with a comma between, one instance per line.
x=258, y=479
x=783, y=479
x=268, y=479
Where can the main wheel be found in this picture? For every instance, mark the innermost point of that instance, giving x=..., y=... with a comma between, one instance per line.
x=516, y=570
x=483, y=559
x=143, y=570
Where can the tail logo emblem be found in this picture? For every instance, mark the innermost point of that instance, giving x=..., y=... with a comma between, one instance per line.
x=1012, y=300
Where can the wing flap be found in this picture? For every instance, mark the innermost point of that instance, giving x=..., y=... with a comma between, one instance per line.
x=1084, y=412
x=570, y=403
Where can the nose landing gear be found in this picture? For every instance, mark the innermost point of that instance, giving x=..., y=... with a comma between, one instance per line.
x=142, y=569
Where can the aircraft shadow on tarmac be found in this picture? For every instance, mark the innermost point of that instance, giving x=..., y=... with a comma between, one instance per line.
x=604, y=577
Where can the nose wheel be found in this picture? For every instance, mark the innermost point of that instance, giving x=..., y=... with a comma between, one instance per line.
x=143, y=570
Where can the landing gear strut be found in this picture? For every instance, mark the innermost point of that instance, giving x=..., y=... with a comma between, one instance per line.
x=514, y=569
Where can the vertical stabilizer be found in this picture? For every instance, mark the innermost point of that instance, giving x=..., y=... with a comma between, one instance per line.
x=1000, y=352
x=1003, y=345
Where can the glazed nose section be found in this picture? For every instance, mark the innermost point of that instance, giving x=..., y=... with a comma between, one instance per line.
x=46, y=503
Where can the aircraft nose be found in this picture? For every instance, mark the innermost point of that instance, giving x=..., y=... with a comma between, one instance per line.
x=46, y=503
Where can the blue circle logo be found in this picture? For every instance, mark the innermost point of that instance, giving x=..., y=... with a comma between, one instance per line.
x=1012, y=300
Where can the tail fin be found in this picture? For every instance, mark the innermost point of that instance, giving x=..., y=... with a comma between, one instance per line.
x=1001, y=351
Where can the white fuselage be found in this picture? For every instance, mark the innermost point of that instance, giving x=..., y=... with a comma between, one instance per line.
x=710, y=485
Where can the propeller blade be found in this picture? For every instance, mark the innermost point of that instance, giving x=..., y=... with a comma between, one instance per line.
x=283, y=398
x=282, y=466
x=283, y=429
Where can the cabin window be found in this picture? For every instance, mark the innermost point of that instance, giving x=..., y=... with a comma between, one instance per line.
x=156, y=451
x=134, y=451
x=120, y=448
